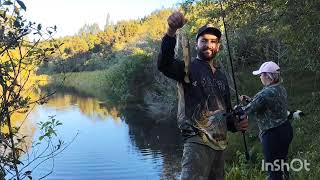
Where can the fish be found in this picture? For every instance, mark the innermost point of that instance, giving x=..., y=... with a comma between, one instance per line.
x=186, y=54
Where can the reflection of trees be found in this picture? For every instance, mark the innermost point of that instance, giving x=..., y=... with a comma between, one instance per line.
x=26, y=129
x=145, y=134
x=156, y=138
x=88, y=106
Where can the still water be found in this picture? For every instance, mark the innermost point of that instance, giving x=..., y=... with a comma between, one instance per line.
x=108, y=144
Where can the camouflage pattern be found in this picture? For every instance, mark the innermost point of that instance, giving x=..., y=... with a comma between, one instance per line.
x=213, y=129
x=269, y=107
x=202, y=163
x=207, y=120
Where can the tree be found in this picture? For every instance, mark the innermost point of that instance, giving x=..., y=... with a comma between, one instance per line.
x=108, y=22
x=264, y=30
x=155, y=24
x=89, y=29
x=127, y=31
x=19, y=57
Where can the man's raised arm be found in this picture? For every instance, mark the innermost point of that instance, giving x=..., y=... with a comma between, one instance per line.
x=167, y=64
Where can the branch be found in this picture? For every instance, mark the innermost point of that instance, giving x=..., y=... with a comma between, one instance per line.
x=33, y=46
x=12, y=63
x=50, y=171
x=15, y=158
x=53, y=154
x=35, y=158
x=28, y=113
x=13, y=42
x=40, y=101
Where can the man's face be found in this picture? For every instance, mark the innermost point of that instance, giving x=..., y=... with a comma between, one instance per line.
x=208, y=46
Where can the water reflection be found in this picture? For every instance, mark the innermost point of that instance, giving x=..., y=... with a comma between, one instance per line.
x=164, y=140
x=26, y=130
x=92, y=108
x=111, y=144
x=159, y=140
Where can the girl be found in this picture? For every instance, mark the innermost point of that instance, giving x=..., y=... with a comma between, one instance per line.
x=270, y=109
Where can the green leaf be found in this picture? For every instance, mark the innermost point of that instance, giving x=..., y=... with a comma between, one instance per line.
x=3, y=13
x=41, y=138
x=28, y=172
x=7, y=3
x=47, y=134
x=46, y=124
x=39, y=27
x=16, y=24
x=15, y=130
x=17, y=161
x=19, y=149
x=22, y=5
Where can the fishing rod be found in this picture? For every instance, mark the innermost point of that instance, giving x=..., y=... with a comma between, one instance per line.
x=233, y=78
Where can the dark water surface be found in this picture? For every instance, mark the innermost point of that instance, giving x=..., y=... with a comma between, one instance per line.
x=108, y=144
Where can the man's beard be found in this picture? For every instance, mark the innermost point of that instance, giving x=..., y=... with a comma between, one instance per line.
x=204, y=56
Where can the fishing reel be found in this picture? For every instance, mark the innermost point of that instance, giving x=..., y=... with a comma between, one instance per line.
x=236, y=112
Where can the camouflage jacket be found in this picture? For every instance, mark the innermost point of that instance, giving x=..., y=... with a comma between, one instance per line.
x=269, y=107
x=202, y=101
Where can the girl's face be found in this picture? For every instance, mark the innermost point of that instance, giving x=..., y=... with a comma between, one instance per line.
x=265, y=80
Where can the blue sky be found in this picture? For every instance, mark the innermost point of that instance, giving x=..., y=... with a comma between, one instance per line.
x=70, y=15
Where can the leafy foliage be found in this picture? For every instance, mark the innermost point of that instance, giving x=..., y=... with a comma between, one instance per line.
x=89, y=51
x=19, y=58
x=264, y=30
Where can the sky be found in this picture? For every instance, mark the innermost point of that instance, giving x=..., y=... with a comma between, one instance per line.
x=70, y=15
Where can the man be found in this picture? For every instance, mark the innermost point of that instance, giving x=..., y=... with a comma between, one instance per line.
x=202, y=103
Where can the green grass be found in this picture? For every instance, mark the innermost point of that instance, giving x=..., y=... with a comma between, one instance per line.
x=91, y=83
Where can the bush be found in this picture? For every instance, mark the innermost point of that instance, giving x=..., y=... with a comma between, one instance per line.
x=125, y=79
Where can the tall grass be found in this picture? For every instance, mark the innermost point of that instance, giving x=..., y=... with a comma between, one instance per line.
x=90, y=83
